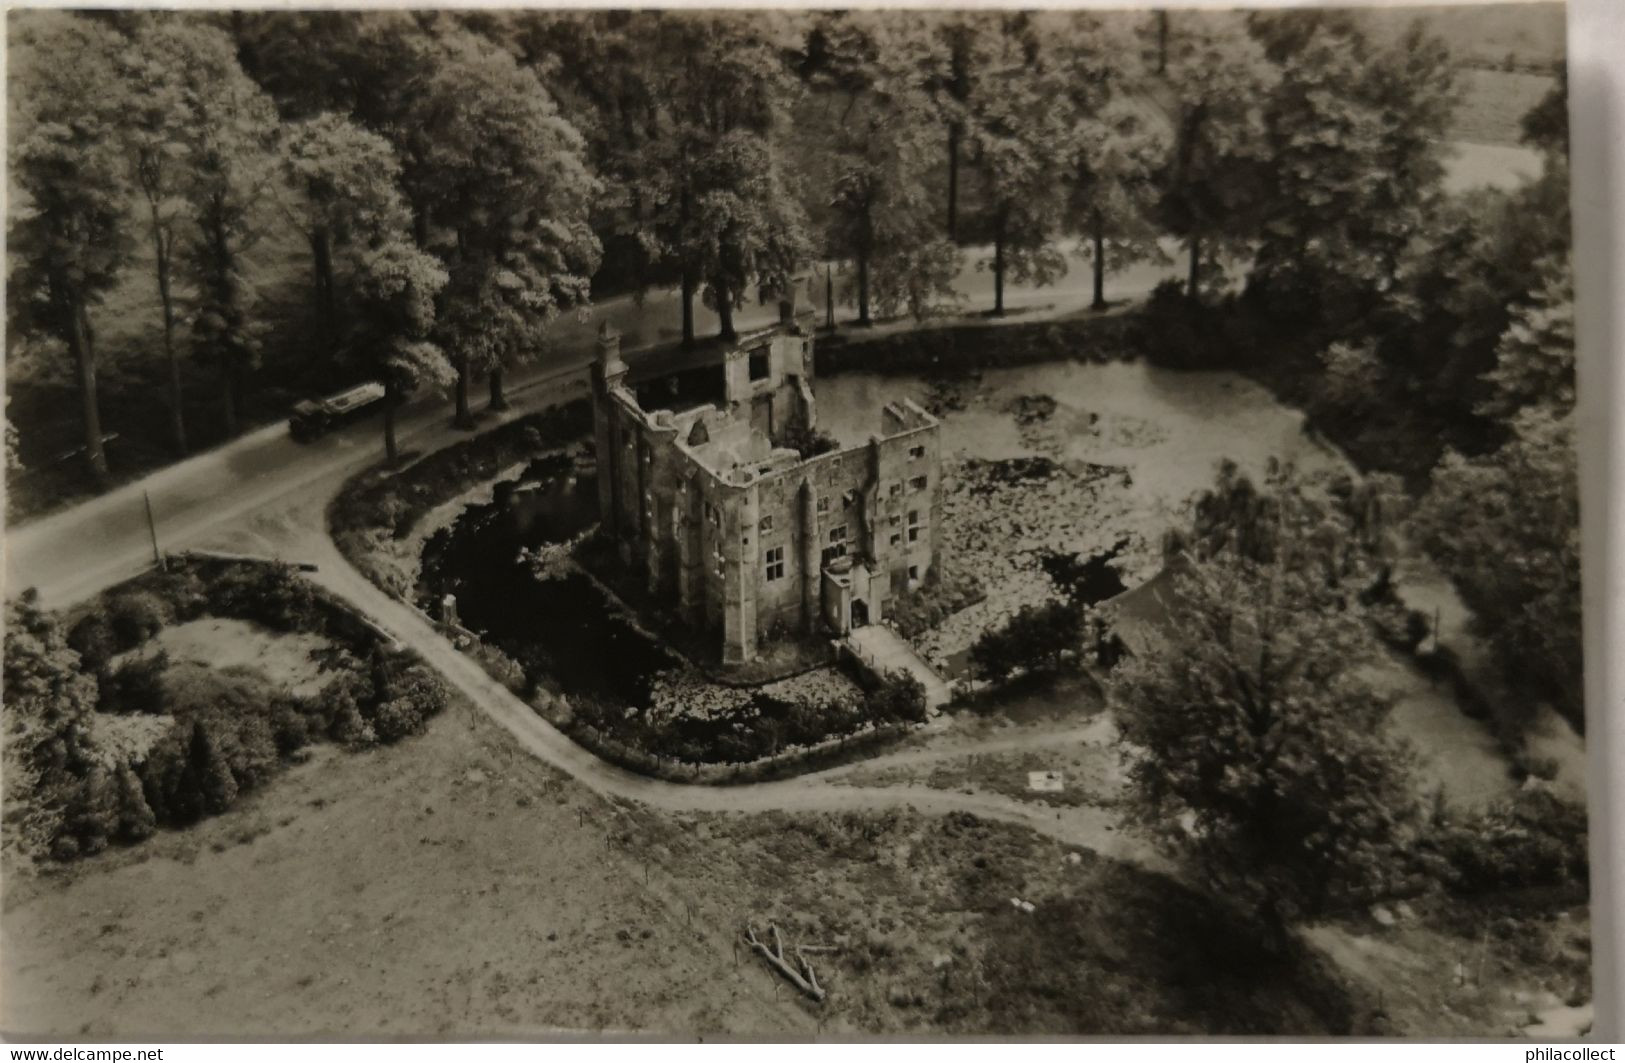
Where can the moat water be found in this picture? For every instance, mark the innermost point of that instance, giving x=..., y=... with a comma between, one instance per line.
x=561, y=628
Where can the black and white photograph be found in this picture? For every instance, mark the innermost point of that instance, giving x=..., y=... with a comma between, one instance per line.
x=796, y=524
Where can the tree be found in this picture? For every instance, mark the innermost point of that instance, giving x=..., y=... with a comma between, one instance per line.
x=1020, y=127
x=1257, y=751
x=879, y=210
x=1113, y=189
x=949, y=80
x=1355, y=134
x=50, y=699
x=345, y=184
x=135, y=821
x=1546, y=126
x=1534, y=360
x=1505, y=526
x=207, y=777
x=371, y=67
x=225, y=130
x=396, y=287
x=1036, y=639
x=720, y=207
x=69, y=234
x=513, y=192
x=1219, y=77
x=153, y=105
x=1481, y=257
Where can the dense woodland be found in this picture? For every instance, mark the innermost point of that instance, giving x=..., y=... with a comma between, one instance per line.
x=232, y=210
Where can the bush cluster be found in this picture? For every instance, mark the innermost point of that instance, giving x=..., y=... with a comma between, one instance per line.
x=228, y=737
x=764, y=726
x=1535, y=839
x=917, y=611
x=1036, y=640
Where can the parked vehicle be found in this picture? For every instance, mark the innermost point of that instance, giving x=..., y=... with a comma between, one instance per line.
x=315, y=417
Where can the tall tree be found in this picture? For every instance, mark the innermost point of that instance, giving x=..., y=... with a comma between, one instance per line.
x=1534, y=360
x=395, y=291
x=1113, y=189
x=880, y=215
x=226, y=130
x=1258, y=750
x=1021, y=127
x=50, y=701
x=1219, y=77
x=951, y=77
x=370, y=66
x=344, y=181
x=512, y=195
x=721, y=207
x=69, y=234
x=1356, y=134
x=154, y=104
x=1505, y=525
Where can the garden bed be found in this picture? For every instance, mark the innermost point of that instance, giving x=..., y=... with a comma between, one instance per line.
x=132, y=738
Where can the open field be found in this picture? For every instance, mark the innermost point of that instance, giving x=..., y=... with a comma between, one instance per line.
x=434, y=887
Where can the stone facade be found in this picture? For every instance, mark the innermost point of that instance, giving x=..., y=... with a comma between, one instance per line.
x=747, y=540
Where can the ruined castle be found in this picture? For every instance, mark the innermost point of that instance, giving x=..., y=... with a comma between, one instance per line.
x=703, y=489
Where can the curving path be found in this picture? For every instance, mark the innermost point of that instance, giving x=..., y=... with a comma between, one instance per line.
x=1086, y=827
x=300, y=532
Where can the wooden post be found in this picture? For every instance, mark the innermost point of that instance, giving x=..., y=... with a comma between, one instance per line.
x=152, y=530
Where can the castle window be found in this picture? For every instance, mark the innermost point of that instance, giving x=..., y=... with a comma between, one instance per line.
x=914, y=573
x=913, y=525
x=916, y=453
x=894, y=489
x=896, y=538
x=847, y=499
x=917, y=484
x=895, y=519
x=837, y=544
x=758, y=364
x=767, y=523
x=774, y=559
x=823, y=505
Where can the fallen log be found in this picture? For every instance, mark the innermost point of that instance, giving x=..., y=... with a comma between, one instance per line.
x=804, y=979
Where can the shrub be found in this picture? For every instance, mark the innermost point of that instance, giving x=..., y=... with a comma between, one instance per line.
x=185, y=590
x=1035, y=640
x=106, y=806
x=273, y=595
x=92, y=637
x=1535, y=839
x=137, y=616
x=407, y=694
x=499, y=666
x=137, y=685
x=898, y=698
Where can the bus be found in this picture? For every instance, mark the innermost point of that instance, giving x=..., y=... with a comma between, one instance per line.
x=316, y=417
